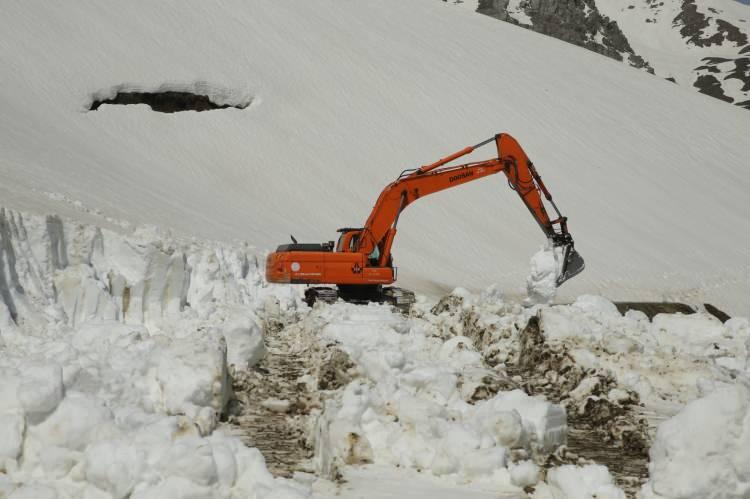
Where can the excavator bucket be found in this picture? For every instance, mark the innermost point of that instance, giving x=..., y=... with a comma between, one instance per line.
x=572, y=264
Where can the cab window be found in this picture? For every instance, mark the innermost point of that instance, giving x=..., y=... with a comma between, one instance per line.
x=375, y=255
x=353, y=242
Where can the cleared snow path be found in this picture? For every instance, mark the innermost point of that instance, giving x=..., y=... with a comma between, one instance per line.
x=279, y=399
x=273, y=406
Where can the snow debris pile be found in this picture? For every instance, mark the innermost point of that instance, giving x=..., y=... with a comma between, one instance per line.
x=665, y=361
x=114, y=354
x=415, y=405
x=616, y=375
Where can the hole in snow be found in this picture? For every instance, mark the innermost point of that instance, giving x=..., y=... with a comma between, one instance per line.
x=167, y=101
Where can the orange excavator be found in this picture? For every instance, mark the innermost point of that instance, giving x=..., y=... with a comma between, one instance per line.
x=361, y=265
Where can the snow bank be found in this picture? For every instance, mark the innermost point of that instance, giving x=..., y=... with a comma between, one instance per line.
x=703, y=450
x=114, y=355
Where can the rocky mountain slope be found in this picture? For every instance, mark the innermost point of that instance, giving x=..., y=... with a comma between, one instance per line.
x=703, y=45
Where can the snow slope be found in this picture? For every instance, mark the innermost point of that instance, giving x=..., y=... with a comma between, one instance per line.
x=690, y=41
x=344, y=96
x=700, y=45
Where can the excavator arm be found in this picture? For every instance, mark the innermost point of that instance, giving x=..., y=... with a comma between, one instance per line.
x=380, y=229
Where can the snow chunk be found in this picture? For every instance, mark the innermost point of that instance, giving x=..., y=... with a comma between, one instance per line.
x=189, y=374
x=697, y=333
x=703, y=450
x=524, y=473
x=582, y=482
x=541, y=284
x=73, y=423
x=244, y=338
x=544, y=422
x=596, y=305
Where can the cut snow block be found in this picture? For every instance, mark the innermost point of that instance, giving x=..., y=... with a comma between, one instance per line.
x=545, y=423
x=244, y=338
x=190, y=374
x=704, y=450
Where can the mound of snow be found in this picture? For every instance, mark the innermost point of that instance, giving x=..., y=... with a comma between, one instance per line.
x=703, y=450
x=415, y=405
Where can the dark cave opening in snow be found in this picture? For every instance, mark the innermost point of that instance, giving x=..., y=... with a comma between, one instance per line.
x=165, y=102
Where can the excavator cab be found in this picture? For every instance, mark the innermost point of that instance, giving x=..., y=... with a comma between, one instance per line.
x=348, y=240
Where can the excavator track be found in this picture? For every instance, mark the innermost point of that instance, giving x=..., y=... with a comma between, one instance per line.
x=320, y=293
x=399, y=298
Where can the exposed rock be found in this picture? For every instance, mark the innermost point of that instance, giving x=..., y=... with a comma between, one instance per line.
x=694, y=23
x=574, y=21
x=580, y=22
x=709, y=85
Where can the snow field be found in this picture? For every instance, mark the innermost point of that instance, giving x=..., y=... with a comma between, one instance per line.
x=114, y=355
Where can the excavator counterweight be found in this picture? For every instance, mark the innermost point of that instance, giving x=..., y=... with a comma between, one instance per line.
x=360, y=264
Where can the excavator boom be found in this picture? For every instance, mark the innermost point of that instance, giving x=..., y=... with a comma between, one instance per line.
x=362, y=258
